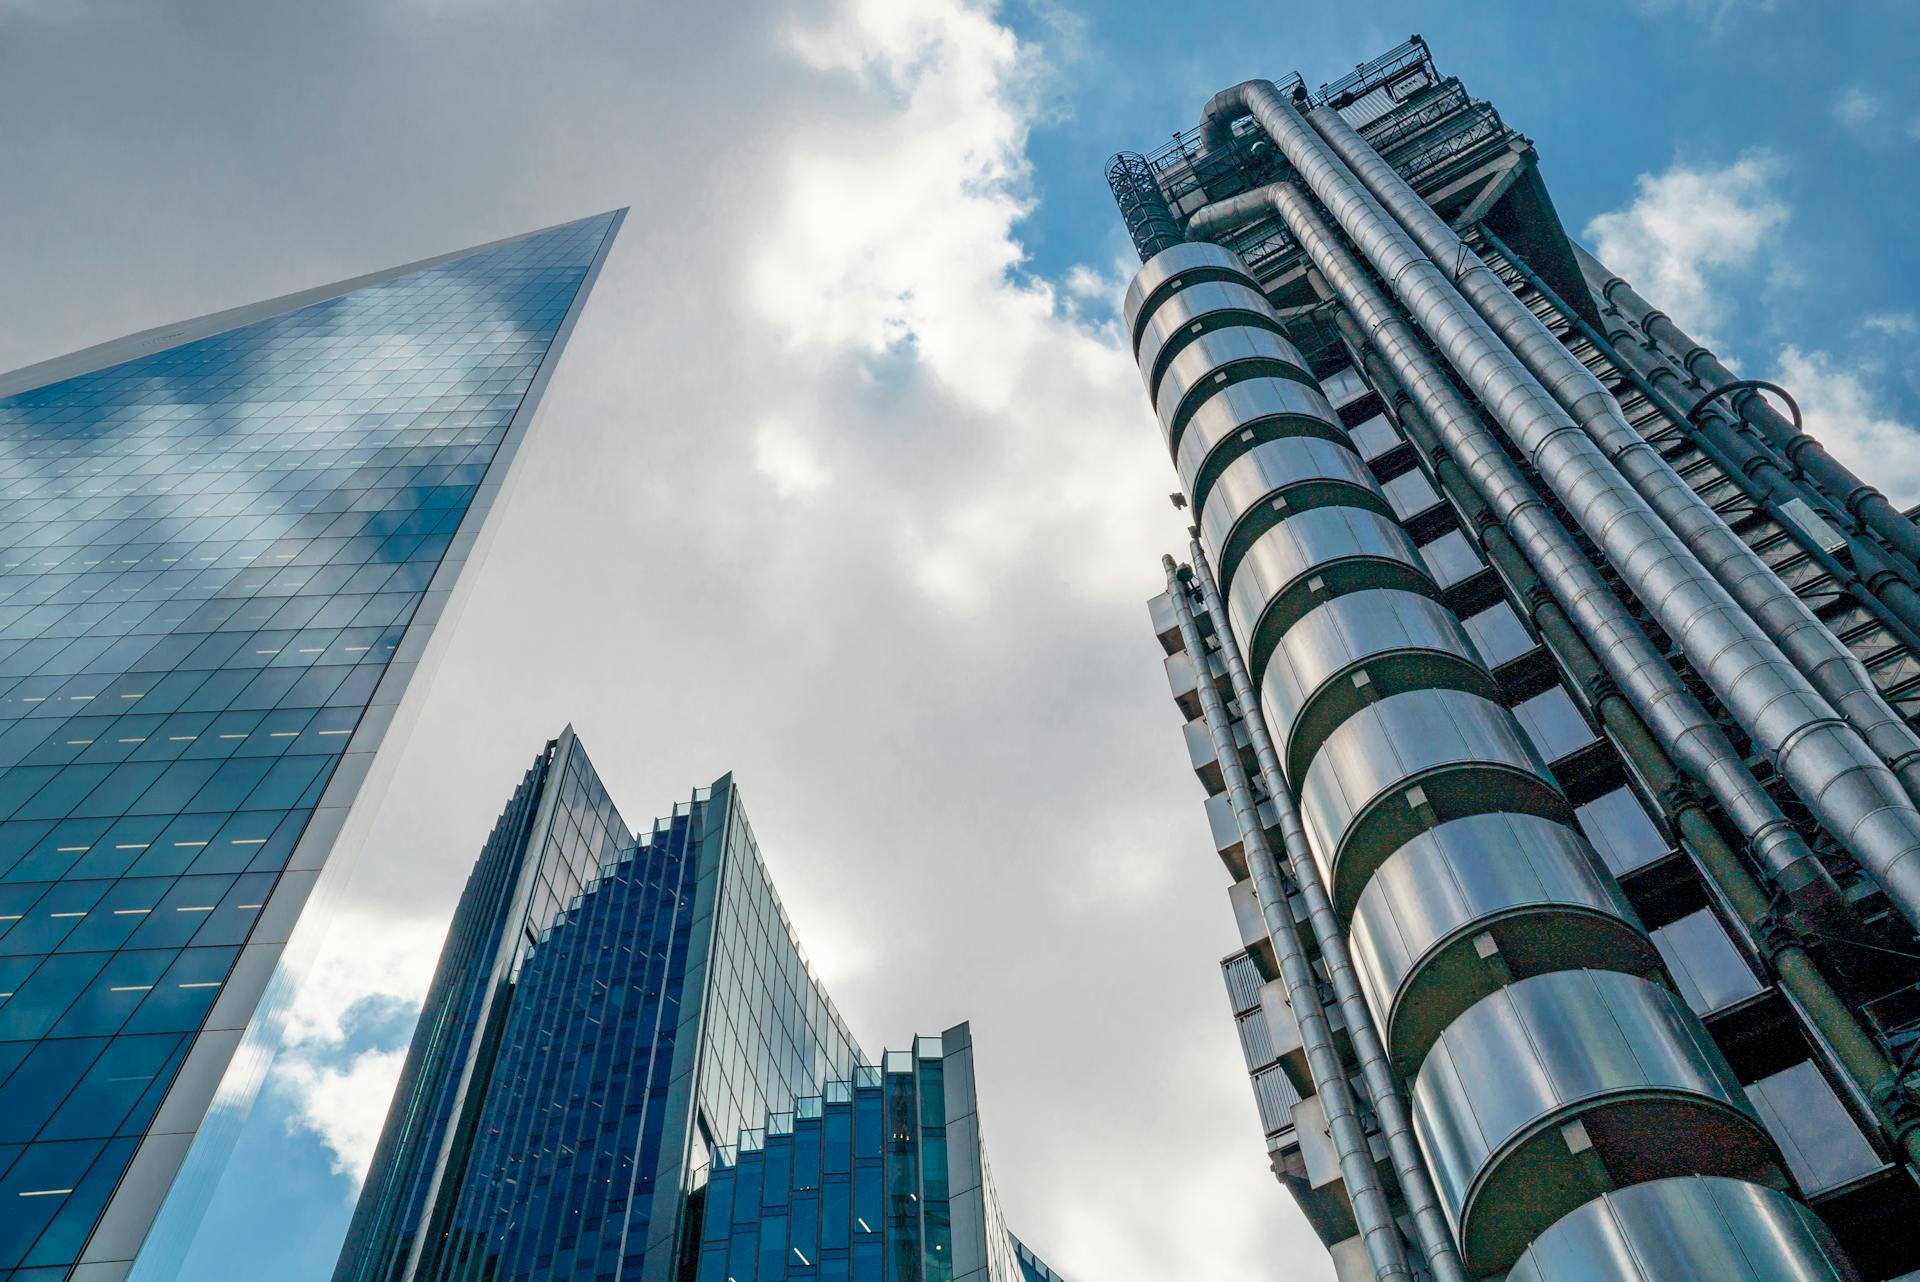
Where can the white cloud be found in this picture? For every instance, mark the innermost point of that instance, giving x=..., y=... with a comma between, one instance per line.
x=339, y=1085
x=1688, y=228
x=1843, y=413
x=897, y=240
x=1855, y=107
x=344, y=1107
x=787, y=459
x=1891, y=324
x=933, y=673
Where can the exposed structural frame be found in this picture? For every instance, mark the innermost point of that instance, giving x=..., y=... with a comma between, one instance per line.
x=1536, y=1100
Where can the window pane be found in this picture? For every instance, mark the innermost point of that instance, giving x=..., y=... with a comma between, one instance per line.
x=1450, y=558
x=1374, y=436
x=1553, y=724
x=1822, y=1145
x=1343, y=387
x=1498, y=634
x=1703, y=961
x=1621, y=831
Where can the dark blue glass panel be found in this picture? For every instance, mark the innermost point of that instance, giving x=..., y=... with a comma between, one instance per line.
x=208, y=555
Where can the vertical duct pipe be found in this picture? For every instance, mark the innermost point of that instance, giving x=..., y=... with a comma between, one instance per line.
x=1371, y=1211
x=1867, y=504
x=1750, y=461
x=1484, y=929
x=1833, y=669
x=1834, y=771
x=1409, y=1168
x=1684, y=726
x=1750, y=906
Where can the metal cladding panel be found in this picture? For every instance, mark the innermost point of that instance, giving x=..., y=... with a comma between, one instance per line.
x=1169, y=266
x=1695, y=1227
x=1357, y=801
x=223, y=554
x=1532, y=888
x=1228, y=520
x=1193, y=311
x=1532, y=1099
x=1198, y=371
x=1281, y=559
x=1243, y=414
x=1346, y=632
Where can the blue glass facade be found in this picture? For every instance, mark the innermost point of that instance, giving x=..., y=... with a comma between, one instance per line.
x=622, y=1031
x=222, y=550
x=880, y=1178
x=605, y=1004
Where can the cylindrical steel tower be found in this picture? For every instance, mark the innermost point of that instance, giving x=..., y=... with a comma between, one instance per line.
x=1459, y=915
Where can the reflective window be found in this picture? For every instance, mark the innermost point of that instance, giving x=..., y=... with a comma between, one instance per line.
x=1710, y=971
x=591, y=1029
x=1450, y=558
x=1344, y=386
x=1553, y=724
x=1822, y=1145
x=1498, y=634
x=1374, y=436
x=1409, y=492
x=1620, y=830
x=209, y=555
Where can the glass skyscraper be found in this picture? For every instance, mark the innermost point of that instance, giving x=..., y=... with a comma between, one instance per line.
x=225, y=547
x=626, y=1070
x=1555, y=697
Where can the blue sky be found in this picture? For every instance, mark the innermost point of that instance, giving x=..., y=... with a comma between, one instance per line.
x=847, y=481
x=1609, y=92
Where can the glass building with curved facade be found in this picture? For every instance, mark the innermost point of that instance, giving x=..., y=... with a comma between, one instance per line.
x=1555, y=700
x=625, y=1070
x=225, y=546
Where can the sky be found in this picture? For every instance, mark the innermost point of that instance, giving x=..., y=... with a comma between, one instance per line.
x=846, y=483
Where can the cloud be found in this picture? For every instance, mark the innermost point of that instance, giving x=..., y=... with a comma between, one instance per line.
x=1855, y=107
x=932, y=672
x=897, y=240
x=345, y=1107
x=1689, y=229
x=347, y=1030
x=1845, y=415
x=787, y=459
x=1891, y=324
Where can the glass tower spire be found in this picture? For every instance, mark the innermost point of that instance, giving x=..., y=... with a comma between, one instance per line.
x=224, y=546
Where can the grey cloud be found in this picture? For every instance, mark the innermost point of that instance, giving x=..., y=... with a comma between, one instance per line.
x=1003, y=784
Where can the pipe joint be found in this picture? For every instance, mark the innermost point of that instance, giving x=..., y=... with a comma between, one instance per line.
x=1680, y=795
x=1598, y=687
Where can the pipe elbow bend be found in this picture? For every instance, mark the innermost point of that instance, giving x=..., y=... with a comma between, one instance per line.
x=1227, y=106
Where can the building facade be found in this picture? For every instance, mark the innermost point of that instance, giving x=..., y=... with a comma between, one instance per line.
x=1554, y=697
x=225, y=548
x=625, y=1069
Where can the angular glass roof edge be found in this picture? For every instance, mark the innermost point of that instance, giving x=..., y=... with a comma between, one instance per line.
x=88, y=360
x=156, y=1227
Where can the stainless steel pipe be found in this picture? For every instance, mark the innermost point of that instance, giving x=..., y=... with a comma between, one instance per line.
x=1843, y=780
x=1867, y=504
x=1376, y=1072
x=1371, y=1211
x=1835, y=671
x=1679, y=721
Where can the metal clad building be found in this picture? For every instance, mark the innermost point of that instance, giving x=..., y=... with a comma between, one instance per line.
x=1553, y=695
